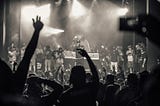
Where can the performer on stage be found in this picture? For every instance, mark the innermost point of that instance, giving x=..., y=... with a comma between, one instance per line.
x=114, y=60
x=48, y=58
x=12, y=55
x=23, y=48
x=120, y=57
x=84, y=42
x=39, y=60
x=141, y=58
x=59, y=64
x=32, y=66
x=79, y=41
x=130, y=60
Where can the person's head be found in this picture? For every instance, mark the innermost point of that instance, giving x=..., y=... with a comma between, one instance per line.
x=110, y=79
x=143, y=77
x=89, y=77
x=132, y=80
x=34, y=86
x=77, y=76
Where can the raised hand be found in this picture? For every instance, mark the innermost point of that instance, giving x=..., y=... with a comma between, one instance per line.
x=37, y=24
x=82, y=52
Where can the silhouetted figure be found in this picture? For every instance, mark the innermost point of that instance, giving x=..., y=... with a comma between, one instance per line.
x=143, y=81
x=81, y=93
x=22, y=70
x=128, y=93
x=151, y=92
x=13, y=83
x=152, y=88
x=110, y=90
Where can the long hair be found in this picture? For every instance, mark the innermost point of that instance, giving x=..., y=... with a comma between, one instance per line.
x=78, y=75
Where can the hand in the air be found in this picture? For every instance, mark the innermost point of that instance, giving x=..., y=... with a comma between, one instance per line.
x=82, y=52
x=37, y=24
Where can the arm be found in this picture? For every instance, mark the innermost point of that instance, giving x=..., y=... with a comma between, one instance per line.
x=53, y=84
x=22, y=70
x=91, y=65
x=52, y=98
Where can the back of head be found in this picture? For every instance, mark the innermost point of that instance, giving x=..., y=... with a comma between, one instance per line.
x=110, y=79
x=144, y=77
x=78, y=75
x=89, y=77
x=34, y=86
x=132, y=79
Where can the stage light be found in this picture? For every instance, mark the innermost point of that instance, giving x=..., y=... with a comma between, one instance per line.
x=58, y=46
x=29, y=12
x=49, y=31
x=122, y=11
x=44, y=11
x=78, y=9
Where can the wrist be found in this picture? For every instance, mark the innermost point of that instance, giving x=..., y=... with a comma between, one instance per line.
x=87, y=56
x=37, y=30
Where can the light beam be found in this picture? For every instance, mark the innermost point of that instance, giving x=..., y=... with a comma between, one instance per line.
x=78, y=9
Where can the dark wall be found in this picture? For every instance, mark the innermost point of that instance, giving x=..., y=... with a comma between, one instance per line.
x=1, y=26
x=154, y=50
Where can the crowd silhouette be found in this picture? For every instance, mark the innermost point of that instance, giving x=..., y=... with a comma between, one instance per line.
x=17, y=88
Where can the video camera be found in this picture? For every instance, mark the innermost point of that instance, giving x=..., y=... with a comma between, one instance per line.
x=146, y=25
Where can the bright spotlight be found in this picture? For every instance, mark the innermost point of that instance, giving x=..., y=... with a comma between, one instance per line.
x=122, y=11
x=44, y=10
x=29, y=12
x=48, y=31
x=78, y=9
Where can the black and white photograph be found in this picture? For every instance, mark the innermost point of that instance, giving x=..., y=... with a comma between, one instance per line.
x=79, y=53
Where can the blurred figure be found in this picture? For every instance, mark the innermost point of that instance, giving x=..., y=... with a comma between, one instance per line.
x=120, y=57
x=85, y=43
x=59, y=64
x=129, y=92
x=81, y=93
x=152, y=89
x=12, y=54
x=12, y=84
x=48, y=58
x=114, y=60
x=32, y=66
x=39, y=60
x=130, y=60
x=23, y=48
x=110, y=91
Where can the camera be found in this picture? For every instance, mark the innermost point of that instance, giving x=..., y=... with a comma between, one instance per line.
x=145, y=24
x=128, y=23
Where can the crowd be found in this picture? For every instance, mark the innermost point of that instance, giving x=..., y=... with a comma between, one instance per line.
x=50, y=62
x=17, y=88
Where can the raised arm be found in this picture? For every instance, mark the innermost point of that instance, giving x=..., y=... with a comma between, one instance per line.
x=22, y=70
x=93, y=68
x=52, y=97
